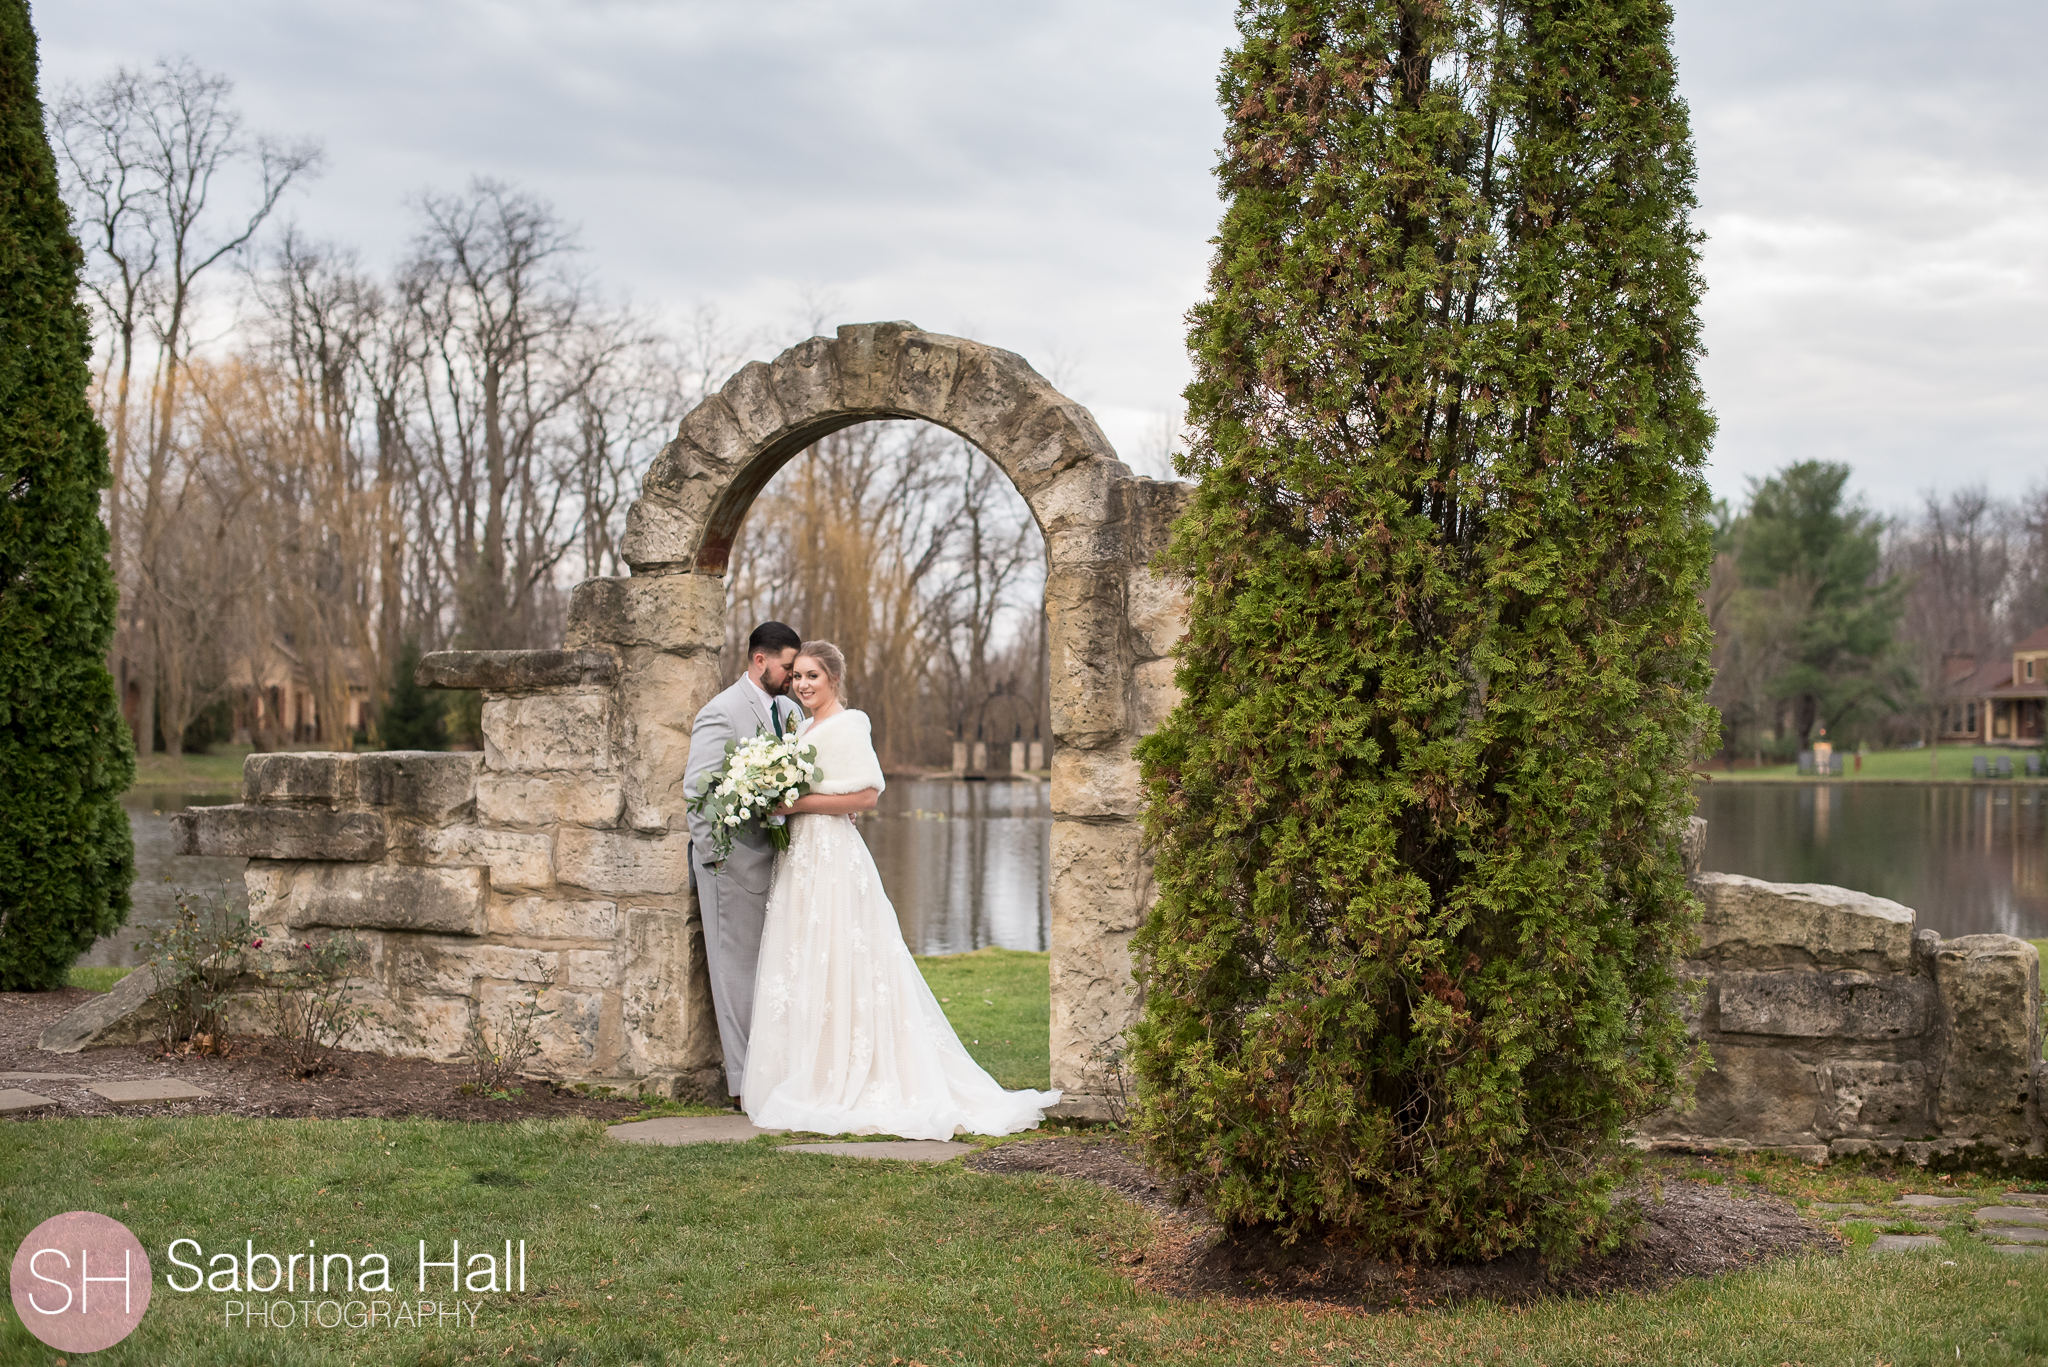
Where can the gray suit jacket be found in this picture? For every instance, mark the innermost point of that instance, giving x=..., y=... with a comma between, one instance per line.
x=734, y=714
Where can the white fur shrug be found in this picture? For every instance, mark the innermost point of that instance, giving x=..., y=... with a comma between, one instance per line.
x=846, y=754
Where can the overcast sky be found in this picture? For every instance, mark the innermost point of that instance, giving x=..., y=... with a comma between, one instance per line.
x=1872, y=182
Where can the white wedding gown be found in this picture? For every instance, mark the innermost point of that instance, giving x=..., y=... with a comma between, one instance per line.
x=847, y=1038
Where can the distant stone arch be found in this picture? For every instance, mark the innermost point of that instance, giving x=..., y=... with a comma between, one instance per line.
x=1112, y=623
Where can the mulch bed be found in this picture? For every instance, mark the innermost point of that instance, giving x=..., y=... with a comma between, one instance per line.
x=1687, y=1229
x=250, y=1080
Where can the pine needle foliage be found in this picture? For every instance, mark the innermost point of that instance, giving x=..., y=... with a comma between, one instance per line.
x=1411, y=969
x=65, y=757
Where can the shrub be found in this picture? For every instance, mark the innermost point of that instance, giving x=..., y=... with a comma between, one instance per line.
x=492, y=1058
x=65, y=757
x=1411, y=969
x=306, y=991
x=193, y=960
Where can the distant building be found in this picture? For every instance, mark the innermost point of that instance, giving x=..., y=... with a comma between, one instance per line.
x=2002, y=702
x=277, y=701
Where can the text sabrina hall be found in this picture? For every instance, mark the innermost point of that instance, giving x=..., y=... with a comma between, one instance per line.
x=249, y=1272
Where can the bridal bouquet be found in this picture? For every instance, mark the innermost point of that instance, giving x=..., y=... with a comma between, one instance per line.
x=757, y=775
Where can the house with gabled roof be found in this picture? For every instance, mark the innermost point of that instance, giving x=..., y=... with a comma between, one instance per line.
x=2002, y=701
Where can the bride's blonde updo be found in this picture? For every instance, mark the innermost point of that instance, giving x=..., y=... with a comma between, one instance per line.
x=827, y=654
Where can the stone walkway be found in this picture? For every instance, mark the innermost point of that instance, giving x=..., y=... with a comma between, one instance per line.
x=2016, y=1223
x=737, y=1129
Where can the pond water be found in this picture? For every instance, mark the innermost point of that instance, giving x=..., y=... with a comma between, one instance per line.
x=1969, y=858
x=968, y=865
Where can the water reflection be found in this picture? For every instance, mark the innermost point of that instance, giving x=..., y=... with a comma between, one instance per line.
x=156, y=869
x=968, y=865
x=1969, y=858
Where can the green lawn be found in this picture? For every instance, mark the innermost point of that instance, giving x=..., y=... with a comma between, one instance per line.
x=222, y=768
x=734, y=1253
x=1000, y=1003
x=1954, y=761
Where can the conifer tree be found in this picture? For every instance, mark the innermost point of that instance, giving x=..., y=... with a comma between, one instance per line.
x=1411, y=969
x=412, y=717
x=65, y=757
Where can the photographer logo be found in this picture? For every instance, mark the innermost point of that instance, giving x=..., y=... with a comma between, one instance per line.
x=80, y=1282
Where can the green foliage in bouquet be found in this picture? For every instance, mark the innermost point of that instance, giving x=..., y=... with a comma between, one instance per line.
x=1411, y=970
x=756, y=776
x=65, y=757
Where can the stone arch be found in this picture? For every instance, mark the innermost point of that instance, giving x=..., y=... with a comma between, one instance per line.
x=559, y=854
x=1111, y=622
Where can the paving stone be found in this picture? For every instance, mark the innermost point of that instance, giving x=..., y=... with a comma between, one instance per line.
x=903, y=1150
x=46, y=1077
x=1903, y=1243
x=2012, y=1215
x=148, y=1092
x=2015, y=1234
x=13, y=1099
x=2025, y=1250
x=688, y=1129
x=2018, y=1198
x=1926, y=1202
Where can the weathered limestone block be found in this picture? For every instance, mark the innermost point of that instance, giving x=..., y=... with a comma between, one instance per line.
x=1154, y=695
x=547, y=918
x=1753, y=924
x=1871, y=1097
x=387, y=897
x=659, y=696
x=515, y=859
x=1762, y=1094
x=547, y=731
x=1102, y=782
x=680, y=612
x=428, y=964
x=424, y=785
x=806, y=379
x=120, y=1015
x=568, y=1037
x=1079, y=514
x=1085, y=617
x=1991, y=1008
x=270, y=832
x=1158, y=608
x=927, y=365
x=665, y=1009
x=661, y=537
x=623, y=863
x=549, y=799
x=328, y=779
x=595, y=969
x=414, y=1025
x=1800, y=1004
x=750, y=394
x=1100, y=890
x=516, y=671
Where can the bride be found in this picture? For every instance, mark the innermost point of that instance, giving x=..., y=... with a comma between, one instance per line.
x=847, y=1038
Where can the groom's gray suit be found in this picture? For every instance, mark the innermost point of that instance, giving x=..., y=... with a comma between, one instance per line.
x=732, y=894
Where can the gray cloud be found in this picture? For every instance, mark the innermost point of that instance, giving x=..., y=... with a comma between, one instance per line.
x=1872, y=183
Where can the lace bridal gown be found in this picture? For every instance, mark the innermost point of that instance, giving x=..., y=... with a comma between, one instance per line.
x=847, y=1038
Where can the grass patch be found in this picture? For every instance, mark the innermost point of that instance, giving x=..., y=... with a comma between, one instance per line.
x=219, y=768
x=1953, y=764
x=95, y=979
x=734, y=1253
x=1000, y=1004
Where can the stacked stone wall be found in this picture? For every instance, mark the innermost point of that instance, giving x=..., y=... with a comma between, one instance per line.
x=561, y=854
x=1836, y=1026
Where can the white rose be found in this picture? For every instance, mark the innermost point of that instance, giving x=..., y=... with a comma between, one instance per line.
x=789, y=795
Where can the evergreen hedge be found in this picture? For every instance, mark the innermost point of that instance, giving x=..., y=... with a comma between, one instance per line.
x=1411, y=969
x=65, y=756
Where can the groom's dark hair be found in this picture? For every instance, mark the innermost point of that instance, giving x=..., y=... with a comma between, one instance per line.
x=774, y=638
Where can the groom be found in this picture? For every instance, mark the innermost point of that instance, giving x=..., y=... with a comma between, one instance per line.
x=733, y=892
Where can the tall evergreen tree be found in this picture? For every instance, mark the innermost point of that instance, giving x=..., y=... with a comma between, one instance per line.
x=1411, y=969
x=65, y=757
x=1803, y=537
x=412, y=718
